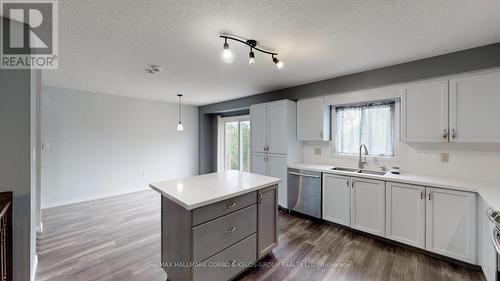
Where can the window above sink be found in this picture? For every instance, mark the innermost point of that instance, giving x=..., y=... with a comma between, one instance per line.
x=372, y=124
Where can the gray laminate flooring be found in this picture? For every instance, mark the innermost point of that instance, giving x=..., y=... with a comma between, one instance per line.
x=118, y=238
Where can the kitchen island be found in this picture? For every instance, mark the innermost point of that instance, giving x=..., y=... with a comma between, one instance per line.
x=215, y=226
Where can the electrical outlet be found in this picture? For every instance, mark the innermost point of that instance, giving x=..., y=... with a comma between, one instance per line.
x=445, y=157
x=317, y=151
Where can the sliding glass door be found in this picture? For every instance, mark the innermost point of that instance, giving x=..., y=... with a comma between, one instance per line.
x=236, y=143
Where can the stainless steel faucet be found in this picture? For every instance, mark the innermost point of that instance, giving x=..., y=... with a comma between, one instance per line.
x=362, y=160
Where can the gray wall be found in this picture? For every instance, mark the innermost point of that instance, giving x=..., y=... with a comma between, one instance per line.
x=102, y=145
x=462, y=61
x=15, y=160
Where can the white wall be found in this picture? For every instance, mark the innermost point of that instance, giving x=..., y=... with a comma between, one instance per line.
x=15, y=172
x=471, y=161
x=102, y=145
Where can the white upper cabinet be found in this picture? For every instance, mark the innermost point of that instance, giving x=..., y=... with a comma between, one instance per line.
x=474, y=114
x=368, y=205
x=461, y=109
x=277, y=127
x=258, y=128
x=313, y=120
x=273, y=127
x=405, y=213
x=337, y=199
x=424, y=112
x=451, y=224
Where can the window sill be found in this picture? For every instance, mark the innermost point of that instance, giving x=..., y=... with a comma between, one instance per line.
x=394, y=157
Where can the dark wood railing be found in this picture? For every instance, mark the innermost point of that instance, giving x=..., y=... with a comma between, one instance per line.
x=6, y=236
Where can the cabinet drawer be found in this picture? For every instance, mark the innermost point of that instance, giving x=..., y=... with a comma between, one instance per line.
x=214, y=236
x=228, y=263
x=210, y=212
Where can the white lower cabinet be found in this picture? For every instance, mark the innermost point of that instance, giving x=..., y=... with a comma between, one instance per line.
x=405, y=213
x=337, y=199
x=368, y=205
x=451, y=224
x=438, y=220
x=273, y=165
x=277, y=168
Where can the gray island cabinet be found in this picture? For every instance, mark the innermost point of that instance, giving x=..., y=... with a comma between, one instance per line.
x=215, y=226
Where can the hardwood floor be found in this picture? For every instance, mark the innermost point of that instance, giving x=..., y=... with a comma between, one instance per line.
x=118, y=238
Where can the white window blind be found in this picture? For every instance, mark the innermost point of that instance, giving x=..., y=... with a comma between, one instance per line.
x=369, y=124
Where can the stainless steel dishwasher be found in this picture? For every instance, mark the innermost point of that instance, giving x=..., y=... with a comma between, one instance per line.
x=304, y=192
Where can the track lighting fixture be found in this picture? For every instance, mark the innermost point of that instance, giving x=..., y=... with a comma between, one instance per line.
x=228, y=56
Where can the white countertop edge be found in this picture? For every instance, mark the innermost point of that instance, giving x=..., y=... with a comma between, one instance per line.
x=489, y=191
x=214, y=199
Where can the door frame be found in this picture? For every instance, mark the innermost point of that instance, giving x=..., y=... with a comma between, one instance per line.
x=222, y=144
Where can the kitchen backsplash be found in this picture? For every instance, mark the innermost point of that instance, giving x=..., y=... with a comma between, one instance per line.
x=471, y=161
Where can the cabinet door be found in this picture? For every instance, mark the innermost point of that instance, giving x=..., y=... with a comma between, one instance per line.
x=313, y=120
x=451, y=224
x=474, y=110
x=368, y=206
x=424, y=112
x=405, y=213
x=267, y=227
x=277, y=127
x=487, y=255
x=278, y=169
x=258, y=164
x=337, y=199
x=258, y=127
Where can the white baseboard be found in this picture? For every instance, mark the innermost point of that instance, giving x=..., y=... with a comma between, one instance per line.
x=33, y=270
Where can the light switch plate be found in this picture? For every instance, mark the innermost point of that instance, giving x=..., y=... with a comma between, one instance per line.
x=445, y=157
x=317, y=151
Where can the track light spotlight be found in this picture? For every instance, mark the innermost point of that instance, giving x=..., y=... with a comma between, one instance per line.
x=251, y=57
x=279, y=64
x=227, y=55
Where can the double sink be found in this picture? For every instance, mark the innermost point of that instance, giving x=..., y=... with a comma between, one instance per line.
x=359, y=171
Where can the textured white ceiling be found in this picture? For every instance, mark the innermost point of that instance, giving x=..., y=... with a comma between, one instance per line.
x=105, y=45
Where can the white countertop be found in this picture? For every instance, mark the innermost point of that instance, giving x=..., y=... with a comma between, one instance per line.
x=199, y=191
x=488, y=190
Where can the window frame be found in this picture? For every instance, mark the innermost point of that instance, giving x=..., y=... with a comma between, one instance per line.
x=397, y=130
x=222, y=146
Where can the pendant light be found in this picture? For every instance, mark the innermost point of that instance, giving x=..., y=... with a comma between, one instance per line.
x=180, y=127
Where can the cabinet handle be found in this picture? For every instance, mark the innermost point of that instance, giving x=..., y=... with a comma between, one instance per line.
x=347, y=183
x=489, y=214
x=230, y=205
x=230, y=230
x=445, y=134
x=453, y=133
x=421, y=194
x=260, y=197
x=430, y=196
x=321, y=134
x=494, y=239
